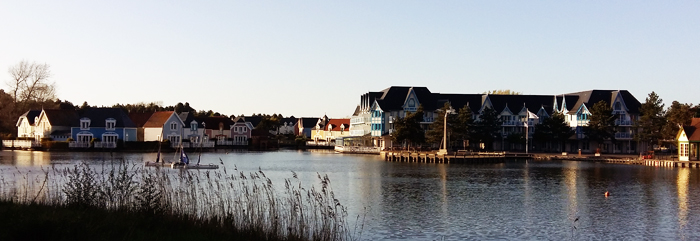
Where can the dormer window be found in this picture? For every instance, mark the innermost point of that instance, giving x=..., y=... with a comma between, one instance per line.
x=173, y=126
x=193, y=126
x=110, y=124
x=84, y=124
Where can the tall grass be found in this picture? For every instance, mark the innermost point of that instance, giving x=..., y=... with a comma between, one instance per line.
x=237, y=202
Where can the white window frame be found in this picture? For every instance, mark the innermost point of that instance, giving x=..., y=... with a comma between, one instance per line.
x=83, y=138
x=84, y=124
x=173, y=126
x=110, y=124
x=174, y=139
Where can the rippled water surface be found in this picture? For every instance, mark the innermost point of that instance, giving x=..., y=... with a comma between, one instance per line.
x=516, y=200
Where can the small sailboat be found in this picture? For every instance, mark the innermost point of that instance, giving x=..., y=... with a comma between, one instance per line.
x=184, y=162
x=158, y=162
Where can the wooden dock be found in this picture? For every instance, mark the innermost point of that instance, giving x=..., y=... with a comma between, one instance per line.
x=628, y=161
x=457, y=157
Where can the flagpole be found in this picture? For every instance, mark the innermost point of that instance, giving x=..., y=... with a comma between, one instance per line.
x=527, y=130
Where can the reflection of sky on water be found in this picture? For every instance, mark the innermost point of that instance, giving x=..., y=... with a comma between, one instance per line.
x=427, y=201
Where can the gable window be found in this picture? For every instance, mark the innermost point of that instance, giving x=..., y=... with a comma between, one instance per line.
x=618, y=106
x=110, y=124
x=84, y=124
x=173, y=126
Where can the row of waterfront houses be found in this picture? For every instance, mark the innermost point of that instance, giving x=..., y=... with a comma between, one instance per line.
x=377, y=111
x=373, y=118
x=105, y=127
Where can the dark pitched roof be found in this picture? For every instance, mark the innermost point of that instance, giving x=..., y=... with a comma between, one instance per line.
x=140, y=119
x=254, y=120
x=290, y=119
x=214, y=122
x=187, y=119
x=59, y=117
x=31, y=115
x=516, y=102
x=459, y=100
x=630, y=101
x=308, y=122
x=394, y=97
x=591, y=97
x=98, y=116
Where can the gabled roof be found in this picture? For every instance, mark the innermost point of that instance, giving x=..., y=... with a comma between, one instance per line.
x=140, y=119
x=357, y=111
x=158, y=119
x=59, y=117
x=591, y=97
x=335, y=124
x=322, y=122
x=254, y=120
x=31, y=115
x=239, y=119
x=98, y=116
x=187, y=119
x=394, y=97
x=692, y=130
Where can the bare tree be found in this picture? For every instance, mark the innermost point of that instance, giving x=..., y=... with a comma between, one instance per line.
x=30, y=82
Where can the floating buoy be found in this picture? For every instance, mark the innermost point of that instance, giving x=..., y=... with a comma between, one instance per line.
x=607, y=194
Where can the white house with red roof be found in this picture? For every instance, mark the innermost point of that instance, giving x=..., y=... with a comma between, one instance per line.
x=163, y=125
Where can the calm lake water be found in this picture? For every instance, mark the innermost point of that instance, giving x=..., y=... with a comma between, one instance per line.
x=516, y=200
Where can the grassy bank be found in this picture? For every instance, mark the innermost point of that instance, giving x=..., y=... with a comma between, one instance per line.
x=129, y=202
x=53, y=222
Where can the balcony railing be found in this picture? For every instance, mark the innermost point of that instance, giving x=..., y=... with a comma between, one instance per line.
x=24, y=144
x=320, y=143
x=206, y=144
x=623, y=122
x=623, y=135
x=224, y=143
x=107, y=145
x=75, y=144
x=240, y=143
x=509, y=123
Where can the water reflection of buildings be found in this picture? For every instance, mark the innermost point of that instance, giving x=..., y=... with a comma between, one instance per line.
x=570, y=183
x=31, y=158
x=682, y=183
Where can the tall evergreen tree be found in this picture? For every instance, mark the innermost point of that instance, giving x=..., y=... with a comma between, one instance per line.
x=408, y=129
x=651, y=121
x=677, y=115
x=601, y=126
x=463, y=127
x=554, y=130
x=487, y=128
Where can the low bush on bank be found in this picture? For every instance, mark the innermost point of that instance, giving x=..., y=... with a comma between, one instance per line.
x=128, y=202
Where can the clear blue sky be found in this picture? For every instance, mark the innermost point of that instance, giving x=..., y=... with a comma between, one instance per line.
x=309, y=58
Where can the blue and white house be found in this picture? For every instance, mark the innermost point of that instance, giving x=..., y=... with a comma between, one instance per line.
x=106, y=125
